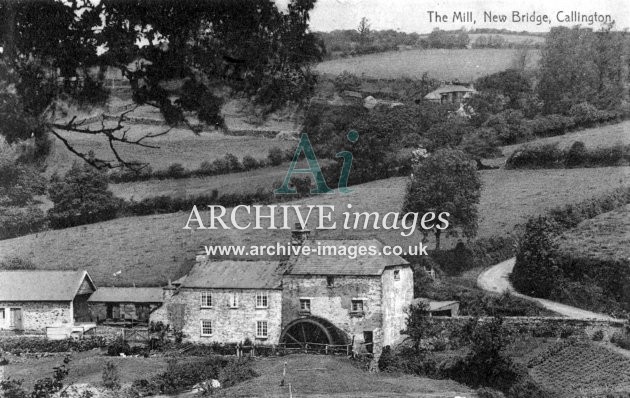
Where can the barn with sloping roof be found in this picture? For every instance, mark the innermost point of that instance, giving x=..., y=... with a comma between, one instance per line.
x=123, y=305
x=450, y=94
x=34, y=300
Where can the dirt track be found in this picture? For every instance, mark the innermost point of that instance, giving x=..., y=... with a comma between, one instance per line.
x=495, y=279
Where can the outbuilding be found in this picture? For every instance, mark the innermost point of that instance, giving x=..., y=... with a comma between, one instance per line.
x=32, y=301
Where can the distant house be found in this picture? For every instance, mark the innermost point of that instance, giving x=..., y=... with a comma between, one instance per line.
x=227, y=301
x=450, y=94
x=440, y=308
x=34, y=300
x=125, y=304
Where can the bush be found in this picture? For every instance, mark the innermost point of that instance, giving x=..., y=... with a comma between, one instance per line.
x=538, y=156
x=249, y=163
x=486, y=392
x=177, y=170
x=38, y=345
x=598, y=335
x=16, y=263
x=111, y=378
x=276, y=156
x=621, y=340
x=119, y=346
x=576, y=155
x=233, y=163
x=82, y=197
x=347, y=81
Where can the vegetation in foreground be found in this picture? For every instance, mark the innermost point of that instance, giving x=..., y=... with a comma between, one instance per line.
x=578, y=255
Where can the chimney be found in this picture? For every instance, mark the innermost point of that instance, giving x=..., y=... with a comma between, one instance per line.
x=299, y=235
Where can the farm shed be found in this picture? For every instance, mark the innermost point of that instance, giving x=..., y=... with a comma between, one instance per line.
x=124, y=304
x=34, y=300
x=450, y=94
x=440, y=308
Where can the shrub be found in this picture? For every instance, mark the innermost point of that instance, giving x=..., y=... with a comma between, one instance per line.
x=538, y=156
x=347, y=81
x=486, y=392
x=576, y=155
x=249, y=163
x=621, y=340
x=111, y=378
x=276, y=156
x=15, y=263
x=598, y=335
x=177, y=170
x=82, y=197
x=233, y=163
x=119, y=346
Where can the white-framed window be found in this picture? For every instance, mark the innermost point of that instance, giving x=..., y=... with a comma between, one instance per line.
x=261, y=329
x=262, y=300
x=357, y=305
x=397, y=275
x=206, y=299
x=233, y=300
x=305, y=305
x=206, y=327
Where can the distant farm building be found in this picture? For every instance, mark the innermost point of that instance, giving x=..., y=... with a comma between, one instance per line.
x=450, y=94
x=34, y=300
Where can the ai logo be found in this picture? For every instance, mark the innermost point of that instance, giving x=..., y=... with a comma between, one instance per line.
x=313, y=168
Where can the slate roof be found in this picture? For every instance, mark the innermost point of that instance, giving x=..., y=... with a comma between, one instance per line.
x=127, y=295
x=435, y=305
x=41, y=285
x=235, y=274
x=449, y=88
x=331, y=264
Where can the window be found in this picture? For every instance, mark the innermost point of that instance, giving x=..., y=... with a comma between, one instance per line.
x=397, y=275
x=357, y=305
x=262, y=300
x=206, y=327
x=233, y=300
x=206, y=299
x=261, y=329
x=305, y=305
x=2, y=315
x=330, y=280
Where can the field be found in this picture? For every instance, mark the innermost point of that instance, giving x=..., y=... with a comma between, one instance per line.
x=465, y=65
x=178, y=146
x=584, y=368
x=330, y=376
x=152, y=248
x=84, y=367
x=509, y=38
x=309, y=375
x=604, y=136
x=604, y=237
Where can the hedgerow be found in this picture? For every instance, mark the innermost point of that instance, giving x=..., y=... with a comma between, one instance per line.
x=551, y=156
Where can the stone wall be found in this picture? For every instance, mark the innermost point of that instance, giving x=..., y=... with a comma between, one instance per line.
x=397, y=285
x=229, y=325
x=36, y=316
x=334, y=303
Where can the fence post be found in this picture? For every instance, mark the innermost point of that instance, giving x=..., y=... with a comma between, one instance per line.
x=326, y=349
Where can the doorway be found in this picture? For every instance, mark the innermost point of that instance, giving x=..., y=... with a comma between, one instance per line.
x=15, y=318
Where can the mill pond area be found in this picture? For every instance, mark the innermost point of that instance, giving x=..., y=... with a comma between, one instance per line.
x=526, y=294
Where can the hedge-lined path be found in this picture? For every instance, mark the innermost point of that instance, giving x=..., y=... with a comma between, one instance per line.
x=495, y=279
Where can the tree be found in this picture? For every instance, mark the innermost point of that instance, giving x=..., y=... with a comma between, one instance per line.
x=418, y=326
x=579, y=65
x=364, y=32
x=19, y=185
x=446, y=181
x=82, y=197
x=250, y=46
x=536, y=272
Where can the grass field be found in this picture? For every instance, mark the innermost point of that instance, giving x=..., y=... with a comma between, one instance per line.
x=84, y=367
x=465, y=65
x=606, y=236
x=178, y=146
x=331, y=376
x=152, y=248
x=309, y=375
x=604, y=136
